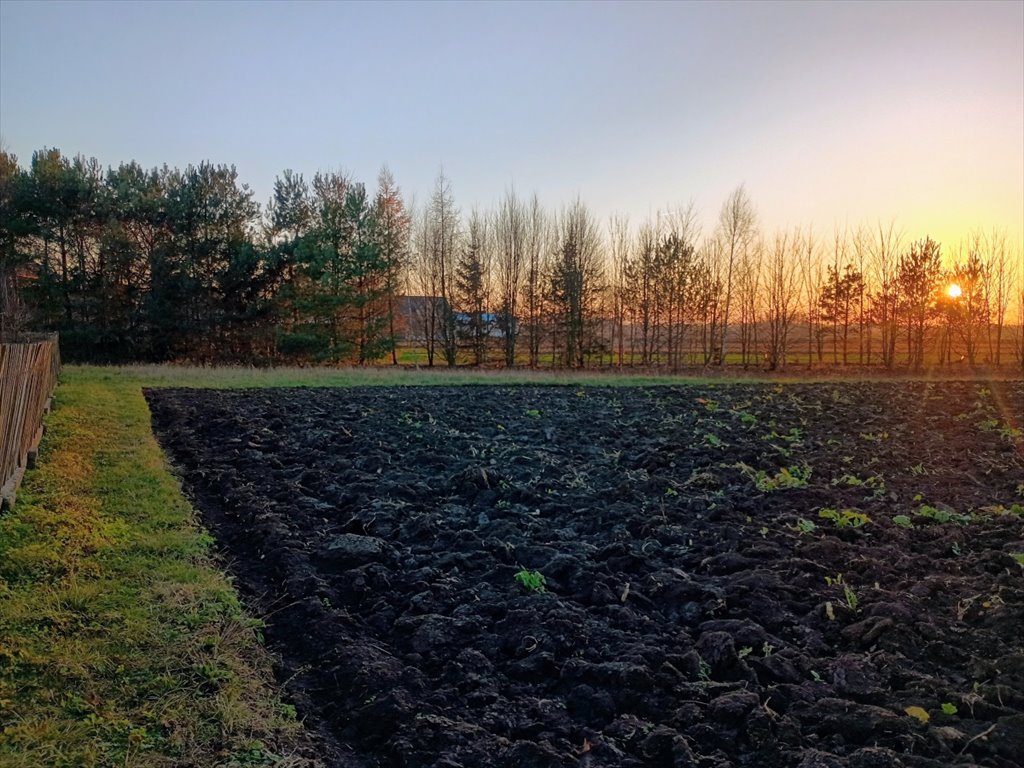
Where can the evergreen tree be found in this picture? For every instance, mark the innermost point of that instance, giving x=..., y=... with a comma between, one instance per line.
x=837, y=302
x=970, y=311
x=15, y=227
x=471, y=289
x=918, y=275
x=575, y=281
x=367, y=279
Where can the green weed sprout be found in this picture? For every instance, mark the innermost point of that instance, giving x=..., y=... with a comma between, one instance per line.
x=845, y=518
x=785, y=478
x=805, y=526
x=532, y=580
x=941, y=515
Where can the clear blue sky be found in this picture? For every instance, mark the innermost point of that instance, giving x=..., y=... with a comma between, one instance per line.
x=828, y=112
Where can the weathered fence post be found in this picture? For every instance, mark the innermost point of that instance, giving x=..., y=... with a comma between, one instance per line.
x=28, y=375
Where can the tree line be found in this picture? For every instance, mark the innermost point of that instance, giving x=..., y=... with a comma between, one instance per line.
x=130, y=264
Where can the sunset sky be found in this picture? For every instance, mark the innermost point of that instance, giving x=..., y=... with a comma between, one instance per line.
x=830, y=113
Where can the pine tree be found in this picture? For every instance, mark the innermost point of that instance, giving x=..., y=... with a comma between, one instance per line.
x=366, y=278
x=471, y=289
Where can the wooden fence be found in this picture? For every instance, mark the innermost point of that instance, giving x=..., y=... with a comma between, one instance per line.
x=28, y=375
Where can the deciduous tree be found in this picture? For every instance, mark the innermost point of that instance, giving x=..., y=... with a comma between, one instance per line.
x=393, y=230
x=737, y=226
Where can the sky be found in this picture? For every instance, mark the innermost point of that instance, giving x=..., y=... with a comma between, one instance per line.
x=831, y=114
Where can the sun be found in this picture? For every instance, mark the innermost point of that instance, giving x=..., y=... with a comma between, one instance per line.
x=954, y=291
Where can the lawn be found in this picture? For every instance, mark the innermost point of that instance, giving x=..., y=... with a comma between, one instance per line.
x=121, y=642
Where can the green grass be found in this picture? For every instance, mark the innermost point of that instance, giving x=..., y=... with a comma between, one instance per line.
x=120, y=641
x=387, y=376
x=239, y=377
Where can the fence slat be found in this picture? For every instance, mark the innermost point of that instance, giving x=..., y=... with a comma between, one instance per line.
x=28, y=375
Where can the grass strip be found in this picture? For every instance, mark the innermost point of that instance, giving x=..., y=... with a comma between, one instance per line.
x=242, y=377
x=121, y=643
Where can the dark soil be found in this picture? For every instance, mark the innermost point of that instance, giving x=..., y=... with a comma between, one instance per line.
x=687, y=621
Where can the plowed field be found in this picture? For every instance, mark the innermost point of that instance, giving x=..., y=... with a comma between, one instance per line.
x=742, y=575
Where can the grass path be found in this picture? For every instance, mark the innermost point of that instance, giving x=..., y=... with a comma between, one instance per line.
x=121, y=644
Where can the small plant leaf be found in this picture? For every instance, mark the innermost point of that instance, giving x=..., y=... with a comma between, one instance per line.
x=805, y=526
x=919, y=712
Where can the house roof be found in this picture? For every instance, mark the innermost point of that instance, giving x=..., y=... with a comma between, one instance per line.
x=27, y=272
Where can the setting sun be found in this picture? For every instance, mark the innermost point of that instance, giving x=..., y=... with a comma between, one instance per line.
x=954, y=291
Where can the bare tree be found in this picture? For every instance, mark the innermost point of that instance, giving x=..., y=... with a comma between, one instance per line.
x=708, y=296
x=1002, y=268
x=510, y=245
x=443, y=237
x=805, y=248
x=780, y=289
x=393, y=231
x=643, y=278
x=537, y=238
x=426, y=312
x=885, y=248
x=1018, y=344
x=619, y=238
x=1017, y=279
x=748, y=291
x=737, y=224
x=862, y=250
